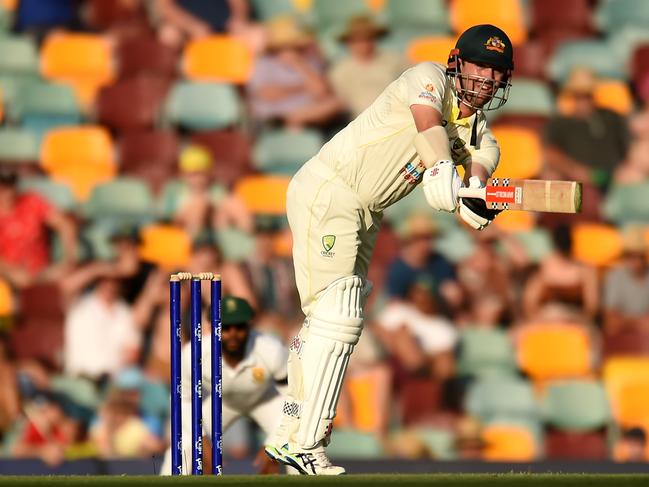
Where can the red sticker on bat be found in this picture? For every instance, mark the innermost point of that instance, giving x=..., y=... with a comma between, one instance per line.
x=500, y=194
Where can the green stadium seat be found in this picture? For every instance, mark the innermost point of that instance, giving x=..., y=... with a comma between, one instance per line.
x=235, y=244
x=627, y=203
x=82, y=391
x=58, y=194
x=284, y=151
x=18, y=145
x=527, y=97
x=121, y=199
x=415, y=202
x=410, y=19
x=351, y=444
x=334, y=13
x=455, y=244
x=537, y=243
x=440, y=442
x=174, y=191
x=502, y=399
x=266, y=10
x=18, y=55
x=203, y=106
x=593, y=54
x=96, y=240
x=42, y=98
x=486, y=353
x=577, y=406
x=612, y=15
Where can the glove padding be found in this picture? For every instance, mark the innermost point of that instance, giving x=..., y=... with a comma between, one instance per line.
x=474, y=211
x=441, y=184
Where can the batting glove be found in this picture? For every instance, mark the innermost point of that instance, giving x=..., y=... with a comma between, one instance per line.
x=441, y=184
x=474, y=211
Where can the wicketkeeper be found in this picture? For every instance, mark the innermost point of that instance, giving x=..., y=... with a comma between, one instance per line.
x=422, y=126
x=254, y=372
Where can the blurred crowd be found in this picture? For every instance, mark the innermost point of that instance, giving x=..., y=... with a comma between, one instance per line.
x=528, y=340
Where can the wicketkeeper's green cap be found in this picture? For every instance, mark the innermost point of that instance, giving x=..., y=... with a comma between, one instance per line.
x=486, y=43
x=235, y=311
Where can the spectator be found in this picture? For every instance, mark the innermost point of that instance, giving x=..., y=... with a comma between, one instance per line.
x=24, y=245
x=415, y=334
x=631, y=447
x=193, y=19
x=120, y=433
x=626, y=287
x=417, y=258
x=588, y=143
x=100, y=334
x=9, y=396
x=360, y=77
x=636, y=166
x=570, y=286
x=288, y=84
x=199, y=205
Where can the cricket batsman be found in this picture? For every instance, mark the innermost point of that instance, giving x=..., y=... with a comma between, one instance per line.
x=254, y=373
x=420, y=128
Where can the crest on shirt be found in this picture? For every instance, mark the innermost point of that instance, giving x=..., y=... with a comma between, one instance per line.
x=258, y=375
x=494, y=43
x=328, y=242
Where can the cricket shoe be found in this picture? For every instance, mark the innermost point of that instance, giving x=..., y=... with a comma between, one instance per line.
x=313, y=462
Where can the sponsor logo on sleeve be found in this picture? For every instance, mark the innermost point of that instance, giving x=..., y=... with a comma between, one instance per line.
x=411, y=173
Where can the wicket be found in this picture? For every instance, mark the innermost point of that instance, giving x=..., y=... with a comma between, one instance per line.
x=175, y=283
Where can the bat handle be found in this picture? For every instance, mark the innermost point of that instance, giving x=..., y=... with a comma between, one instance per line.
x=473, y=193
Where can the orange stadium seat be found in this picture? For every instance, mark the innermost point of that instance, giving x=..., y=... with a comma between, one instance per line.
x=508, y=443
x=6, y=299
x=506, y=14
x=435, y=48
x=627, y=384
x=596, y=244
x=520, y=152
x=263, y=194
x=515, y=221
x=167, y=246
x=554, y=351
x=632, y=404
x=614, y=95
x=82, y=60
x=218, y=58
x=81, y=157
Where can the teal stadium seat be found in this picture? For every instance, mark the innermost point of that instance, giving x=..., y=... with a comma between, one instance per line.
x=334, y=13
x=502, y=399
x=455, y=244
x=577, y=406
x=18, y=55
x=486, y=353
x=627, y=203
x=611, y=15
x=593, y=54
x=352, y=444
x=284, y=151
x=56, y=193
x=123, y=199
x=527, y=97
x=18, y=145
x=537, y=243
x=409, y=19
x=266, y=10
x=235, y=244
x=42, y=106
x=203, y=106
x=175, y=190
x=440, y=442
x=96, y=239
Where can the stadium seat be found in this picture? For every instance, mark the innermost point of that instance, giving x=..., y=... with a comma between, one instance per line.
x=17, y=146
x=593, y=54
x=7, y=307
x=596, y=244
x=515, y=221
x=79, y=389
x=42, y=99
x=41, y=302
x=362, y=392
x=617, y=14
x=429, y=16
x=570, y=357
x=132, y=104
x=486, y=353
x=236, y=245
x=568, y=445
x=334, y=13
x=576, y=406
x=303, y=6
x=231, y=151
x=263, y=194
x=203, y=106
x=352, y=444
x=614, y=95
x=38, y=340
x=527, y=97
x=82, y=60
x=626, y=382
x=500, y=397
x=266, y=10
x=434, y=49
x=626, y=203
x=629, y=342
x=529, y=60
x=122, y=199
x=631, y=403
x=18, y=55
x=57, y=194
x=149, y=155
x=537, y=243
x=81, y=157
x=284, y=151
x=575, y=16
x=508, y=443
x=146, y=55
x=520, y=151
x=440, y=442
x=506, y=14
x=219, y=58
x=167, y=246
x=175, y=191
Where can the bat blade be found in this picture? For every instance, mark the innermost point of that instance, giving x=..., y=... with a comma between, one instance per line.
x=529, y=195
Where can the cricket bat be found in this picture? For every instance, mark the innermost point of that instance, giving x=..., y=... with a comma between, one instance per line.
x=528, y=195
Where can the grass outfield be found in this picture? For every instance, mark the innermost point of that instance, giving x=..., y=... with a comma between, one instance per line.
x=366, y=480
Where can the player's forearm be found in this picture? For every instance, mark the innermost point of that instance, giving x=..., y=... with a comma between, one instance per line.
x=475, y=169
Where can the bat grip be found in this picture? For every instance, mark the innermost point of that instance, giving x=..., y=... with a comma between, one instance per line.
x=473, y=193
